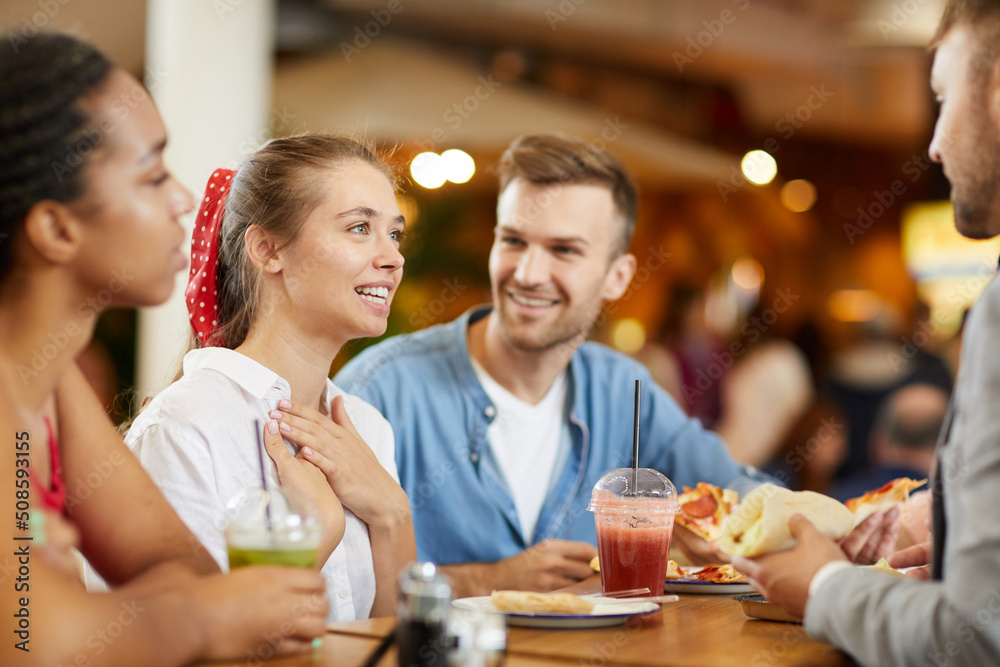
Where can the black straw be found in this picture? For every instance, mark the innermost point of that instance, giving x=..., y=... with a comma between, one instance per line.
x=263, y=475
x=635, y=437
x=381, y=649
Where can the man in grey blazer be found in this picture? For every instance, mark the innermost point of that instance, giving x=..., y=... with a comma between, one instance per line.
x=954, y=617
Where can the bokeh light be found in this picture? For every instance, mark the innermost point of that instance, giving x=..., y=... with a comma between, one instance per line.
x=759, y=167
x=458, y=165
x=628, y=335
x=748, y=274
x=854, y=305
x=428, y=169
x=798, y=196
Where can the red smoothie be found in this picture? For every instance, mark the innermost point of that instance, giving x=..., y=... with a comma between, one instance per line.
x=633, y=555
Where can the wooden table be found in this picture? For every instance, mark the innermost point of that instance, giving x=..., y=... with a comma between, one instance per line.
x=697, y=630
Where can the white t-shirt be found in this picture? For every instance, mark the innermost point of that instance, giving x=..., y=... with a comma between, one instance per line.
x=525, y=442
x=197, y=441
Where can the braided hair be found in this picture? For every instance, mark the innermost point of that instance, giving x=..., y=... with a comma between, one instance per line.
x=41, y=121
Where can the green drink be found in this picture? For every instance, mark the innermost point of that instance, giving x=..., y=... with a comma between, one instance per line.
x=271, y=528
x=301, y=557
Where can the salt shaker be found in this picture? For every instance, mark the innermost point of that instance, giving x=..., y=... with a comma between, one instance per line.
x=423, y=609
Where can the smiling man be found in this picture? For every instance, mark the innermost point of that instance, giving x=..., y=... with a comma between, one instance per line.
x=953, y=619
x=505, y=418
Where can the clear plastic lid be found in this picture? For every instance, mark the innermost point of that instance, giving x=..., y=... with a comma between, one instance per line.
x=255, y=515
x=650, y=489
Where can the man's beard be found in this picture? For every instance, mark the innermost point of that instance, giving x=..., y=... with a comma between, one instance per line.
x=559, y=334
x=975, y=198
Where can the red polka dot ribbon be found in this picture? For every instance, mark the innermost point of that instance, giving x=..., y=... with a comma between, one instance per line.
x=202, y=293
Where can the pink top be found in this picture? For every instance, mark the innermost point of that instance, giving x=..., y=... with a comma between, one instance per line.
x=54, y=498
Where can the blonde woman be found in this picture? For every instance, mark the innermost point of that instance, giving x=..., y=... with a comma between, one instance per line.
x=294, y=254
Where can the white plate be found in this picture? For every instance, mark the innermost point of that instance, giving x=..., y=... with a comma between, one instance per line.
x=695, y=587
x=603, y=615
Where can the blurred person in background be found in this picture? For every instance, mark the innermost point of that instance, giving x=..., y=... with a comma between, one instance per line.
x=813, y=449
x=862, y=376
x=902, y=440
x=765, y=395
x=695, y=347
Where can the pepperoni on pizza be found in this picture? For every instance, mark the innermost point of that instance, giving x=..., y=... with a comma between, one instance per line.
x=703, y=509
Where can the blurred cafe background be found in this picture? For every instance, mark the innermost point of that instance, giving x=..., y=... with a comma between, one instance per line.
x=797, y=257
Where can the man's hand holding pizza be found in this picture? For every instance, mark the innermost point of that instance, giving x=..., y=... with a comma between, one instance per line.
x=698, y=550
x=698, y=525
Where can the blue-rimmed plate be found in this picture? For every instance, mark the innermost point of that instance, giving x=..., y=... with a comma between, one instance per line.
x=603, y=615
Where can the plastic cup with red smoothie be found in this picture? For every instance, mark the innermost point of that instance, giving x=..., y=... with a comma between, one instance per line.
x=634, y=525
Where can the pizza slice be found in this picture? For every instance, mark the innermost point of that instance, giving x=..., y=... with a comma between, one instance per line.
x=704, y=508
x=719, y=574
x=880, y=500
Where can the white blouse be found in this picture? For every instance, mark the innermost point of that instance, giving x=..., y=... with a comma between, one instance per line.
x=197, y=441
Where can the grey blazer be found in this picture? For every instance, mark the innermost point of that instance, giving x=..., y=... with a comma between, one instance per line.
x=883, y=620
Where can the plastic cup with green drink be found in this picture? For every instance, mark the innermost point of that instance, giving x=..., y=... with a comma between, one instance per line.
x=274, y=527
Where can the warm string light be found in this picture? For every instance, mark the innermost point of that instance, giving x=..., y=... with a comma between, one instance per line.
x=759, y=167
x=432, y=170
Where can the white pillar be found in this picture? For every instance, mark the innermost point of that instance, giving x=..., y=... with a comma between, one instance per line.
x=209, y=68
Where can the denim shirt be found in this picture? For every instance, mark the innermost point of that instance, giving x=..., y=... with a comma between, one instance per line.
x=424, y=384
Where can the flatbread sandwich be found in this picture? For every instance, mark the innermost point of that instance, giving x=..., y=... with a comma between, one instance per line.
x=540, y=603
x=759, y=525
